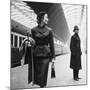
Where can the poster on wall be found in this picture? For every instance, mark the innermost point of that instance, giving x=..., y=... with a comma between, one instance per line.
x=48, y=44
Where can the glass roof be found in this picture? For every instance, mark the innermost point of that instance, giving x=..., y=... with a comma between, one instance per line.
x=23, y=14
x=76, y=15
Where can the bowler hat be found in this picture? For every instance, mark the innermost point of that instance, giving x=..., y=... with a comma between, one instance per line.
x=75, y=28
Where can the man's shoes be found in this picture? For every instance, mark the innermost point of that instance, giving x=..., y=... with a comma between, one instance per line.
x=76, y=79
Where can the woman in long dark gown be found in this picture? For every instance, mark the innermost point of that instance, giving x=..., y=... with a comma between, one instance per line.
x=43, y=50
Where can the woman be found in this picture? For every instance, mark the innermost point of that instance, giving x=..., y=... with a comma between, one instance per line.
x=75, y=48
x=43, y=49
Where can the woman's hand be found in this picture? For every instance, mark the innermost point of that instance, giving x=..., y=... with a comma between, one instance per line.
x=53, y=61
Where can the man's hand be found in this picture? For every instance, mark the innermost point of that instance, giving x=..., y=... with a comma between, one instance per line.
x=22, y=62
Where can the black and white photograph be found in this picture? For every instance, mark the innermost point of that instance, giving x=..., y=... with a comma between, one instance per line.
x=48, y=43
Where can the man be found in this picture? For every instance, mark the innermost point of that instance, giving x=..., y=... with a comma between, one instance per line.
x=25, y=48
x=75, y=49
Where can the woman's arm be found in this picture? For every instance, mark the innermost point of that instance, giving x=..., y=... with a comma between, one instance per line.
x=51, y=42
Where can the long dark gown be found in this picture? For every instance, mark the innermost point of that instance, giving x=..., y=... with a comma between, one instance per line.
x=40, y=63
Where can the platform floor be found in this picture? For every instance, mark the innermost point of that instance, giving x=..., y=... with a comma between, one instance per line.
x=64, y=76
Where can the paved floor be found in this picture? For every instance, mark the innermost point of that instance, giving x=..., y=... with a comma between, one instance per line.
x=64, y=75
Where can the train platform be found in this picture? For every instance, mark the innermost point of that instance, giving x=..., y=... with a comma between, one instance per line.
x=64, y=76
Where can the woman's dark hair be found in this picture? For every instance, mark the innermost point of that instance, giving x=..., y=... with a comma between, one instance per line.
x=40, y=16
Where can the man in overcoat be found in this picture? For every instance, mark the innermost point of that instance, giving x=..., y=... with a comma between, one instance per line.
x=75, y=62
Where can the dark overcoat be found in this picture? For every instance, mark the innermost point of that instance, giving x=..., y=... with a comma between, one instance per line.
x=75, y=62
x=43, y=37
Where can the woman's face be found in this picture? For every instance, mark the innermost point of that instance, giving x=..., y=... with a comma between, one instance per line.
x=45, y=19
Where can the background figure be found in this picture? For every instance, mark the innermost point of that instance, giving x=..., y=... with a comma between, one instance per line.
x=75, y=48
x=43, y=49
x=25, y=50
